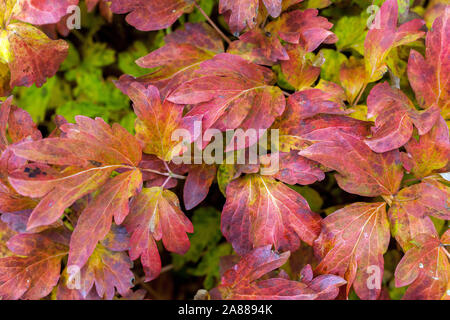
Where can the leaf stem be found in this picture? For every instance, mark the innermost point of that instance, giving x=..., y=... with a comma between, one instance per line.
x=388, y=199
x=167, y=174
x=165, y=182
x=360, y=94
x=445, y=250
x=224, y=37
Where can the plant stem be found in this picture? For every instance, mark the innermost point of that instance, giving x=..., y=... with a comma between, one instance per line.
x=360, y=94
x=388, y=199
x=167, y=268
x=165, y=182
x=224, y=37
x=445, y=250
x=167, y=174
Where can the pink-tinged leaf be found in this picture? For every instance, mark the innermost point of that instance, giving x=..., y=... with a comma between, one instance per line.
x=231, y=92
x=253, y=266
x=292, y=127
x=154, y=215
x=39, y=12
x=429, y=77
x=5, y=234
x=16, y=124
x=177, y=60
x=260, y=211
x=86, y=143
x=241, y=281
x=429, y=153
x=59, y=190
x=95, y=221
x=90, y=4
x=21, y=126
x=117, y=239
x=64, y=293
x=33, y=272
x=331, y=91
x=91, y=144
x=148, y=15
x=259, y=47
x=395, y=115
x=360, y=170
x=107, y=270
x=158, y=121
x=352, y=243
x=293, y=169
x=352, y=76
x=299, y=71
x=411, y=207
x=34, y=56
x=243, y=13
x=303, y=27
x=384, y=35
x=311, y=102
x=425, y=268
x=198, y=182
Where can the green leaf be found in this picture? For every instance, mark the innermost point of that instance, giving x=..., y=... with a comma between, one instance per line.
x=333, y=61
x=209, y=266
x=313, y=198
x=351, y=32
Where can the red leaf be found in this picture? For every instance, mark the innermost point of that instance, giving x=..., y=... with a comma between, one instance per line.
x=95, y=221
x=92, y=150
x=298, y=70
x=154, y=215
x=311, y=102
x=5, y=234
x=303, y=27
x=294, y=169
x=107, y=270
x=244, y=12
x=395, y=116
x=293, y=128
x=41, y=12
x=412, y=206
x=259, y=47
x=425, y=268
x=429, y=153
x=429, y=77
x=230, y=92
x=147, y=15
x=20, y=127
x=33, y=272
x=87, y=143
x=261, y=211
x=198, y=182
x=384, y=35
x=177, y=60
x=361, y=171
x=240, y=282
x=351, y=245
x=166, y=116
x=34, y=56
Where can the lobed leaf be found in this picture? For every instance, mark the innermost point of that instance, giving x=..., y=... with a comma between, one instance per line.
x=260, y=211
x=352, y=243
x=154, y=215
